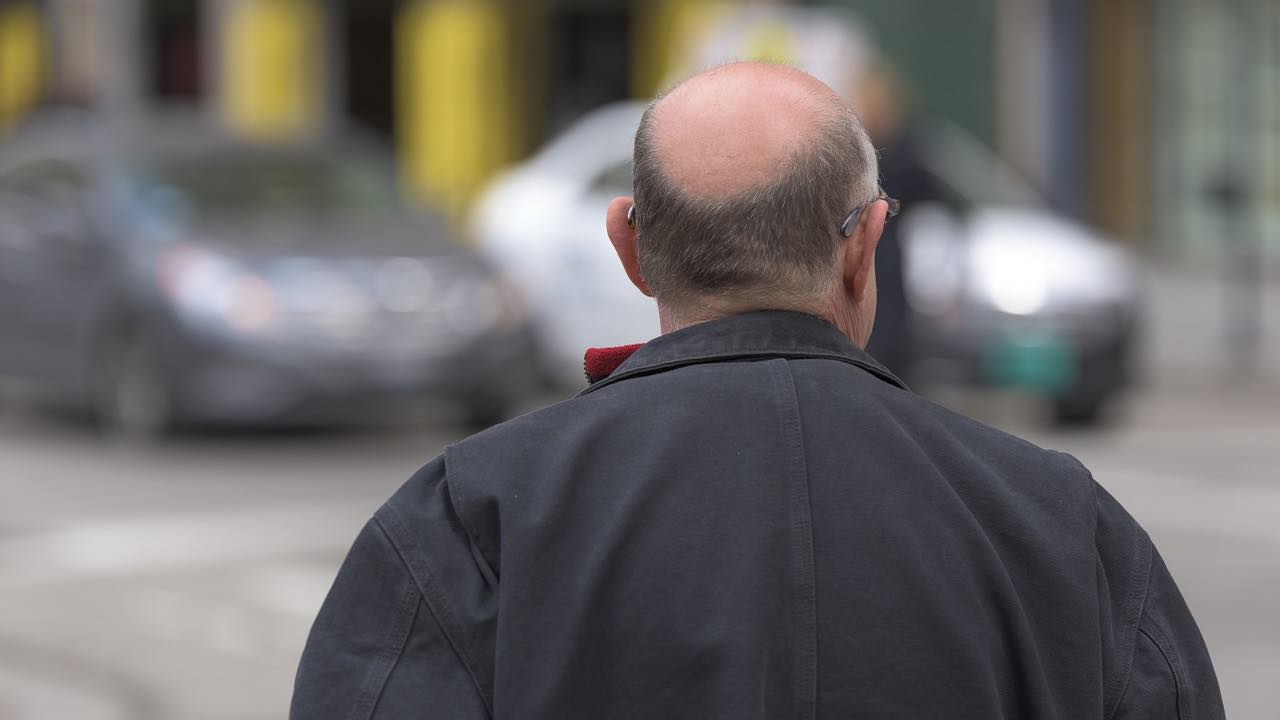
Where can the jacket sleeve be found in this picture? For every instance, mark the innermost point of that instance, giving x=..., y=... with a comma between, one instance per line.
x=1156, y=660
x=392, y=638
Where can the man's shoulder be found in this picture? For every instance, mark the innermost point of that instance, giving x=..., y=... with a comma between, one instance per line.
x=933, y=426
x=557, y=425
x=577, y=423
x=526, y=441
x=531, y=428
x=981, y=435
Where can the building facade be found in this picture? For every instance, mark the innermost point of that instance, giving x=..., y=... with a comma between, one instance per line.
x=1158, y=120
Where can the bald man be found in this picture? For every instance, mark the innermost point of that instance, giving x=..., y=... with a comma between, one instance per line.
x=748, y=517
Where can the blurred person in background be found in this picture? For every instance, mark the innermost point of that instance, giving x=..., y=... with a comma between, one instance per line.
x=885, y=111
x=749, y=517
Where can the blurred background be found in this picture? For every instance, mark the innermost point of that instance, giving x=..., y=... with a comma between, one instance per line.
x=261, y=259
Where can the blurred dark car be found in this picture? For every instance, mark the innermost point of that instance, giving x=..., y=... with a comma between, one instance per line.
x=181, y=277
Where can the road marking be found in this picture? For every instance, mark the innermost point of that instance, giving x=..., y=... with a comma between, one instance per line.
x=1177, y=503
x=132, y=546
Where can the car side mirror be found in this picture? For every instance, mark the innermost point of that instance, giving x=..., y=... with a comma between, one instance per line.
x=60, y=221
x=18, y=231
x=934, y=246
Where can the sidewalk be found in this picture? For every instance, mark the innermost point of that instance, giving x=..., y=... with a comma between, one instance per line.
x=1184, y=337
x=31, y=690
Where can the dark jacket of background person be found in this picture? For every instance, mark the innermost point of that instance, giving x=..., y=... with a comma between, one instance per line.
x=903, y=176
x=751, y=518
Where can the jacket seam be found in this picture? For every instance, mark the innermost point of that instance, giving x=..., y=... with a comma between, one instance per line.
x=393, y=649
x=1139, y=594
x=801, y=511
x=457, y=500
x=1170, y=660
x=425, y=578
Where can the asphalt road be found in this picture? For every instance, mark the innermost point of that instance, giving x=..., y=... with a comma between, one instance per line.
x=180, y=581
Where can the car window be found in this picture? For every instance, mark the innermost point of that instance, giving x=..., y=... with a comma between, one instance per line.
x=43, y=178
x=613, y=180
x=970, y=174
x=46, y=198
x=241, y=184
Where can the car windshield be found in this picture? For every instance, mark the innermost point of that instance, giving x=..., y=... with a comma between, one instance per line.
x=974, y=174
x=228, y=186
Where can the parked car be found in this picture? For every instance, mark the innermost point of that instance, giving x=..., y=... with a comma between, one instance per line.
x=177, y=276
x=1006, y=292
x=543, y=223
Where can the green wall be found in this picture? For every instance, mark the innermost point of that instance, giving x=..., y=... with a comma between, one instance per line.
x=944, y=49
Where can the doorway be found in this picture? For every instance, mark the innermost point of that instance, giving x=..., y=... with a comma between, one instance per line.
x=367, y=28
x=173, y=43
x=590, y=58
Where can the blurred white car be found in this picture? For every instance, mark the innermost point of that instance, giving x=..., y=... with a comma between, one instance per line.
x=543, y=223
x=1005, y=292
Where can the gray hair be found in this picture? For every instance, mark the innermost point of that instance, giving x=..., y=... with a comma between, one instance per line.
x=777, y=241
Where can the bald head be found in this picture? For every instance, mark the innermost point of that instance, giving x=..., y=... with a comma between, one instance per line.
x=739, y=127
x=742, y=177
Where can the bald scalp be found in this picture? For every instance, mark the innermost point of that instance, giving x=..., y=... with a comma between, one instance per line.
x=742, y=175
x=739, y=127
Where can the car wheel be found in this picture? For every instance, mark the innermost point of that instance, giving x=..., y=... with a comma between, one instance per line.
x=131, y=399
x=1078, y=409
x=482, y=411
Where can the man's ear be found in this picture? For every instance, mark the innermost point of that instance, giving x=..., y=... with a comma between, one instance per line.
x=860, y=251
x=622, y=233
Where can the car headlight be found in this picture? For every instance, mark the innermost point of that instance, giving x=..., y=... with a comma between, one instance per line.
x=512, y=306
x=1011, y=276
x=404, y=285
x=213, y=290
x=1014, y=285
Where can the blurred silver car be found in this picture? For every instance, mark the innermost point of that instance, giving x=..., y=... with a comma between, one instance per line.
x=177, y=276
x=1005, y=293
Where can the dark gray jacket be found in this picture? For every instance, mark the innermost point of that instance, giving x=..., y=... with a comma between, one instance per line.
x=750, y=518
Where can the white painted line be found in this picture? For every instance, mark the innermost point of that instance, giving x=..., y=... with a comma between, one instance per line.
x=175, y=542
x=1183, y=504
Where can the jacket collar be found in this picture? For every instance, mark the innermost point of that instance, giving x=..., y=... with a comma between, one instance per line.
x=765, y=334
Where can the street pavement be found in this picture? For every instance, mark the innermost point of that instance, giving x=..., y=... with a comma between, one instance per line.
x=178, y=582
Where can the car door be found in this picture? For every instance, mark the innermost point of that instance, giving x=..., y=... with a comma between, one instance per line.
x=53, y=270
x=13, y=241
x=610, y=308
x=17, y=246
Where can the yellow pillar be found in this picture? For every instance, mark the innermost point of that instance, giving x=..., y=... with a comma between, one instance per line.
x=22, y=47
x=453, y=104
x=273, y=67
x=1118, y=124
x=666, y=38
